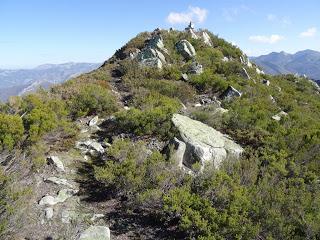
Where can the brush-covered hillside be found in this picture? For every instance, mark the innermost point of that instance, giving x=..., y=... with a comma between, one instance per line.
x=176, y=136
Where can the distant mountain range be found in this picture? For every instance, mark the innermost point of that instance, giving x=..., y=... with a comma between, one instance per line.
x=22, y=81
x=303, y=62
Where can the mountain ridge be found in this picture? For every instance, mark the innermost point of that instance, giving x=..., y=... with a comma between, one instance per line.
x=304, y=62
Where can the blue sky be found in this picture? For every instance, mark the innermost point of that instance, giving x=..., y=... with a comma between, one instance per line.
x=35, y=32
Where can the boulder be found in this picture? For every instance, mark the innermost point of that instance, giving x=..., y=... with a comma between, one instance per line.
x=58, y=181
x=151, y=57
x=225, y=59
x=230, y=93
x=203, y=143
x=156, y=42
x=47, y=200
x=259, y=71
x=206, y=38
x=95, y=233
x=185, y=49
x=195, y=68
x=56, y=162
x=93, y=121
x=191, y=32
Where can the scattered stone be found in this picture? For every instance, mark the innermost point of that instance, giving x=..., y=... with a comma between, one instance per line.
x=185, y=49
x=266, y=82
x=48, y=212
x=47, y=200
x=279, y=115
x=184, y=77
x=90, y=144
x=62, y=196
x=95, y=233
x=59, y=181
x=197, y=105
x=96, y=216
x=279, y=89
x=230, y=93
x=245, y=74
x=196, y=68
x=272, y=99
x=133, y=54
x=93, y=121
x=203, y=143
x=56, y=162
x=126, y=108
x=68, y=215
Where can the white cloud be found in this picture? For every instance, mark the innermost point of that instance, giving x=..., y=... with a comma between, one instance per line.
x=229, y=14
x=311, y=32
x=283, y=21
x=195, y=14
x=274, y=38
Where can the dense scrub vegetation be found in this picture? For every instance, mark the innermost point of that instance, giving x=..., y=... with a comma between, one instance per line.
x=272, y=192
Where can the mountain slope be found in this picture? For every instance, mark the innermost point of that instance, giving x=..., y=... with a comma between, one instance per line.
x=305, y=62
x=176, y=136
x=19, y=82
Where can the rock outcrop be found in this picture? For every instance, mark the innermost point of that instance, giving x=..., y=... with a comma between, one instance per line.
x=56, y=162
x=203, y=143
x=62, y=196
x=185, y=49
x=195, y=68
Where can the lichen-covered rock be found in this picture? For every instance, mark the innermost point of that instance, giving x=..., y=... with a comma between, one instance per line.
x=203, y=143
x=62, y=196
x=48, y=212
x=179, y=152
x=93, y=121
x=230, y=93
x=58, y=181
x=150, y=57
x=185, y=49
x=95, y=233
x=279, y=115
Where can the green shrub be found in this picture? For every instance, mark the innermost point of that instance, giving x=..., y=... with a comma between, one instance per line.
x=11, y=131
x=93, y=99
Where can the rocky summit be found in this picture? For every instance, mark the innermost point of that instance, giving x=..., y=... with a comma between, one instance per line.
x=176, y=136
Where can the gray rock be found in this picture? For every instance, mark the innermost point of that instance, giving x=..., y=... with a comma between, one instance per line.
x=48, y=212
x=95, y=233
x=191, y=32
x=230, y=93
x=62, y=196
x=47, y=200
x=151, y=57
x=134, y=53
x=203, y=143
x=90, y=144
x=179, y=152
x=67, y=215
x=185, y=49
x=259, y=71
x=93, y=121
x=96, y=216
x=196, y=68
x=56, y=162
x=245, y=74
x=272, y=99
x=58, y=181
x=225, y=59
x=156, y=42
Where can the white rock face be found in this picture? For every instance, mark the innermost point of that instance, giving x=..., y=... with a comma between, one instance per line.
x=56, y=162
x=203, y=143
x=192, y=33
x=245, y=74
x=93, y=121
x=151, y=58
x=185, y=49
x=95, y=233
